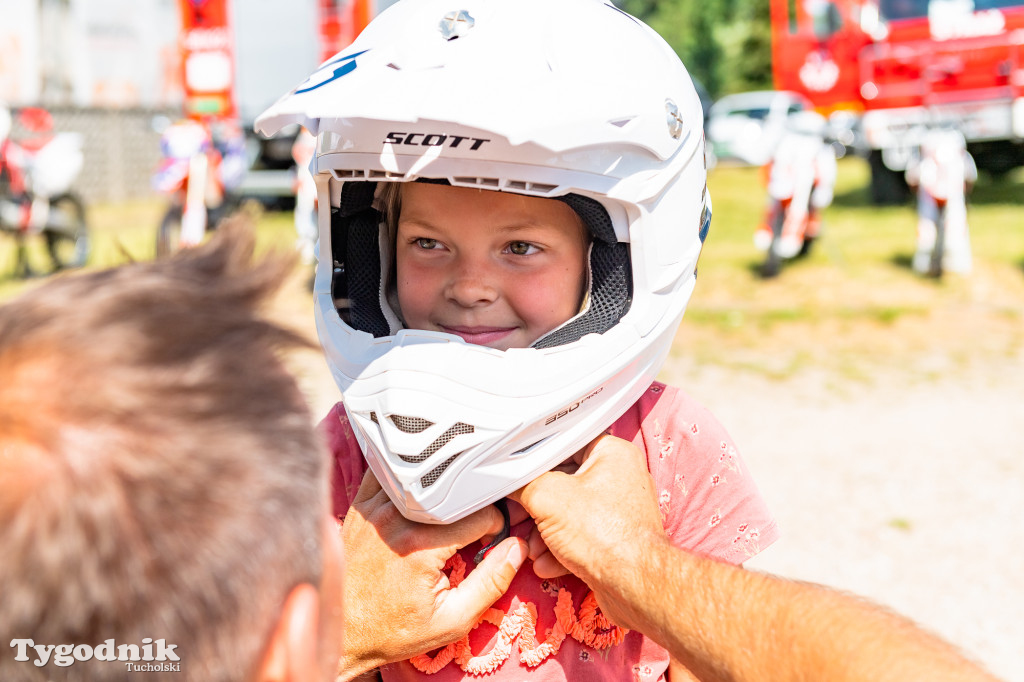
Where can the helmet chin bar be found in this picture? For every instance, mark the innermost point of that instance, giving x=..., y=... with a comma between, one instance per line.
x=440, y=471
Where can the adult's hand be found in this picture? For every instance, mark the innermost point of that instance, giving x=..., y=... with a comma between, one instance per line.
x=721, y=622
x=596, y=522
x=398, y=602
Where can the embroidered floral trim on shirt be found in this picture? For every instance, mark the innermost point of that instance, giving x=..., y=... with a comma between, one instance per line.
x=590, y=627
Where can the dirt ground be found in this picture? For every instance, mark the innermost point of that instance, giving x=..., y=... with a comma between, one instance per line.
x=907, y=492
x=897, y=474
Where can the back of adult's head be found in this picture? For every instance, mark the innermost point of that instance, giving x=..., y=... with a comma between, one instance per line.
x=159, y=477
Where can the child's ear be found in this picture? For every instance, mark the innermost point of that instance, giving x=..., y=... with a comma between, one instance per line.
x=291, y=653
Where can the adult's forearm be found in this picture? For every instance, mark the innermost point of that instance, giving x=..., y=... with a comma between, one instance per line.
x=726, y=623
x=720, y=621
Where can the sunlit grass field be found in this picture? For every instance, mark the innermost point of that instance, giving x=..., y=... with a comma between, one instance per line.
x=126, y=231
x=852, y=306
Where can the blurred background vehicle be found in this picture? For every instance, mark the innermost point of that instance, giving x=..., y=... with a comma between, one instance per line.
x=36, y=195
x=943, y=173
x=903, y=66
x=210, y=166
x=706, y=101
x=271, y=61
x=705, y=98
x=202, y=166
x=276, y=61
x=801, y=184
x=746, y=126
x=844, y=133
x=272, y=173
x=108, y=68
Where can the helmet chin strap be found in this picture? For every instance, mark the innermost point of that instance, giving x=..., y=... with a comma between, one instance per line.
x=502, y=506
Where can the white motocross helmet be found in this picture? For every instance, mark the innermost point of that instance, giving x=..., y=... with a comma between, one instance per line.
x=565, y=99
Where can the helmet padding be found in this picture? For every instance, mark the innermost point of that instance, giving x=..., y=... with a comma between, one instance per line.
x=358, y=283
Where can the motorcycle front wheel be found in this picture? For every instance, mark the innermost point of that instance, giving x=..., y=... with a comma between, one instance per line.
x=773, y=262
x=168, y=236
x=66, y=232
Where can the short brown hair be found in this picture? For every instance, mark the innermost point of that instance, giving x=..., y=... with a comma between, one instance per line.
x=159, y=474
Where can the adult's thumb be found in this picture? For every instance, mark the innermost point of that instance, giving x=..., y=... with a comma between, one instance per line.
x=486, y=583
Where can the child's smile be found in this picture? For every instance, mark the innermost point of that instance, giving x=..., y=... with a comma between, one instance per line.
x=497, y=269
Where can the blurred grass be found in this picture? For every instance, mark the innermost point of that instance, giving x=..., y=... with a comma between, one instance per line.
x=852, y=308
x=126, y=231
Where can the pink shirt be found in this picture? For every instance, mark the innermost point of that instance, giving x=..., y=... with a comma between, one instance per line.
x=709, y=504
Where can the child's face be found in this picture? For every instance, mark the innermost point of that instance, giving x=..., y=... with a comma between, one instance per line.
x=499, y=270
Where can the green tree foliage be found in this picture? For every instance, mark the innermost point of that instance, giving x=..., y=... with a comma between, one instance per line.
x=756, y=71
x=726, y=44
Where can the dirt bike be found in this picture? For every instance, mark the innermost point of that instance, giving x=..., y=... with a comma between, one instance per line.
x=800, y=179
x=36, y=199
x=777, y=250
x=199, y=172
x=935, y=265
x=942, y=173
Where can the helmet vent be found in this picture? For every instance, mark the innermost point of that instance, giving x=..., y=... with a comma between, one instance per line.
x=531, y=446
x=513, y=185
x=530, y=186
x=410, y=424
x=436, y=472
x=482, y=182
x=360, y=174
x=457, y=429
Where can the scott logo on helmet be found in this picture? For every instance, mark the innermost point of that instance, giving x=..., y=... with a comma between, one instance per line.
x=434, y=140
x=571, y=408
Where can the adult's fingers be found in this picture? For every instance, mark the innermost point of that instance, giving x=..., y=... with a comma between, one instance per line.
x=485, y=584
x=545, y=488
x=481, y=523
x=546, y=566
x=367, y=488
x=548, y=488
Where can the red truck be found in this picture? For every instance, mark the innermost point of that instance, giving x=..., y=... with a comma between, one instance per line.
x=901, y=65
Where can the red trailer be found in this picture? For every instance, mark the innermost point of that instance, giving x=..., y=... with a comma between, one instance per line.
x=340, y=22
x=902, y=65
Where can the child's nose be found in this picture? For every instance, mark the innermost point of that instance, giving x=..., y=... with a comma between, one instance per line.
x=471, y=284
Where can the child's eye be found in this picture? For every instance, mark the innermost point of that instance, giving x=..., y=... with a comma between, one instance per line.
x=521, y=248
x=425, y=243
